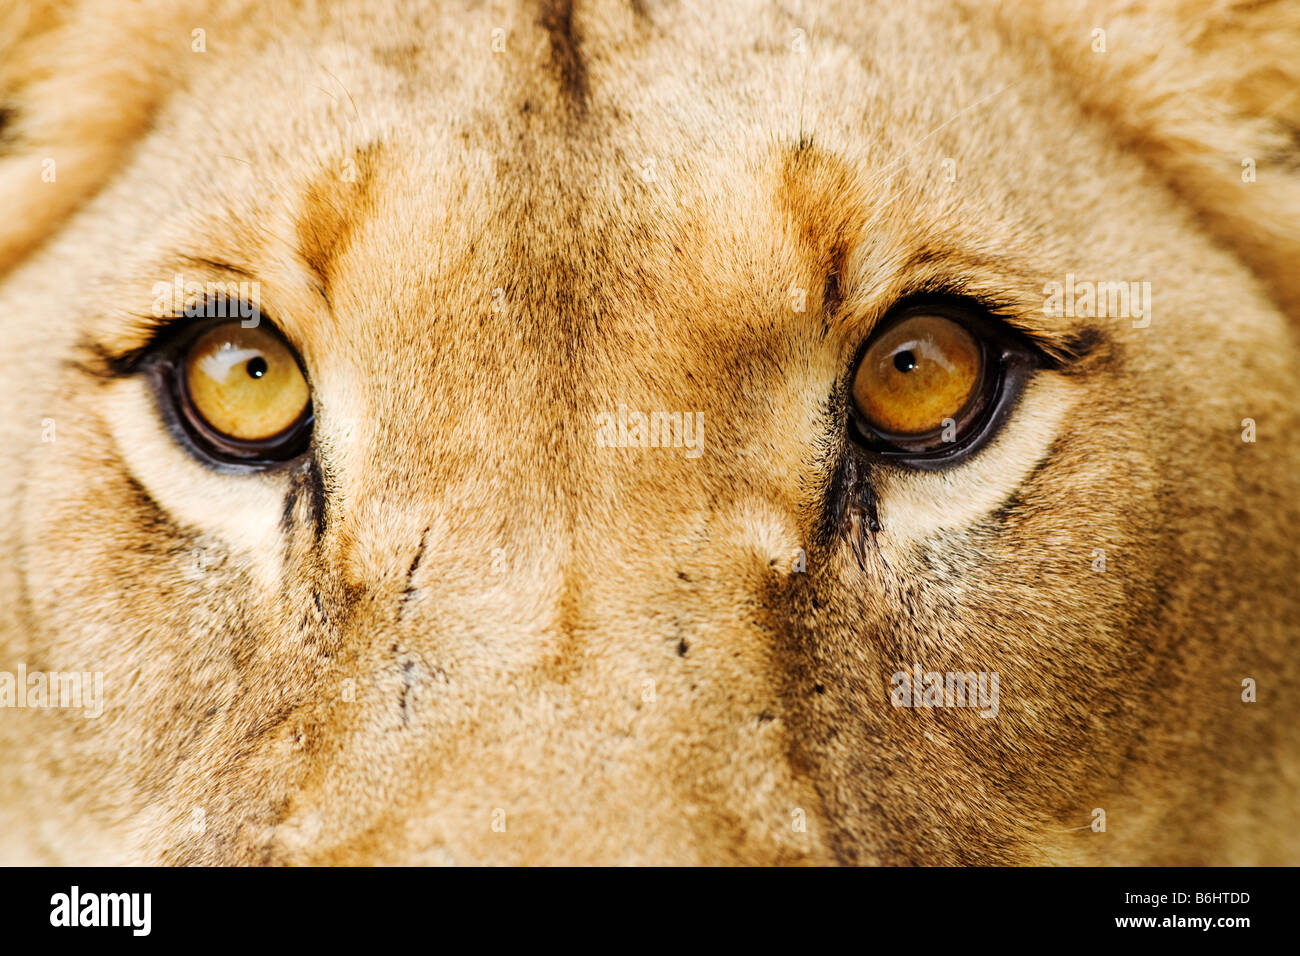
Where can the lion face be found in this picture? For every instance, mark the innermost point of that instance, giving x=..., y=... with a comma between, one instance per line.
x=689, y=406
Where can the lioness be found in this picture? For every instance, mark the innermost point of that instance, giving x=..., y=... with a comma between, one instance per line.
x=634, y=432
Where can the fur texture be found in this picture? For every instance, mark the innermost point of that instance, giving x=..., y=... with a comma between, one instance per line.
x=462, y=631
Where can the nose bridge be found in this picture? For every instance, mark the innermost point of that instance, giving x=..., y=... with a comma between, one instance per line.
x=560, y=622
x=569, y=473
x=593, y=716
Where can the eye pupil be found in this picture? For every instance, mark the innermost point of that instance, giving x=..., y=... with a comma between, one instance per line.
x=905, y=361
x=256, y=367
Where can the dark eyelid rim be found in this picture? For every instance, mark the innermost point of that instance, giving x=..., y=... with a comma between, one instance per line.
x=999, y=315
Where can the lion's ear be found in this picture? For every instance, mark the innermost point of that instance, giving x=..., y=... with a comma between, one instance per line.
x=1208, y=93
x=78, y=84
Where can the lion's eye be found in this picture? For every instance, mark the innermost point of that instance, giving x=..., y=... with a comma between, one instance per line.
x=242, y=395
x=928, y=384
x=921, y=371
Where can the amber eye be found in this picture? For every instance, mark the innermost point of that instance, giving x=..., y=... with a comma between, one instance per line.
x=917, y=374
x=242, y=393
x=930, y=384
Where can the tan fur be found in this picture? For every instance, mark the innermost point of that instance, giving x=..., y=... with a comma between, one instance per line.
x=621, y=653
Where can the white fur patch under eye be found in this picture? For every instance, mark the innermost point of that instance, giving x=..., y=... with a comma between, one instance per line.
x=242, y=511
x=912, y=505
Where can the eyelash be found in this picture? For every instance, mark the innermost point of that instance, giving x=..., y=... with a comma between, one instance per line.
x=166, y=332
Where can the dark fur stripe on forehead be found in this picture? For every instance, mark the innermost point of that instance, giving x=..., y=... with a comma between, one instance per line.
x=566, y=56
x=334, y=204
x=817, y=190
